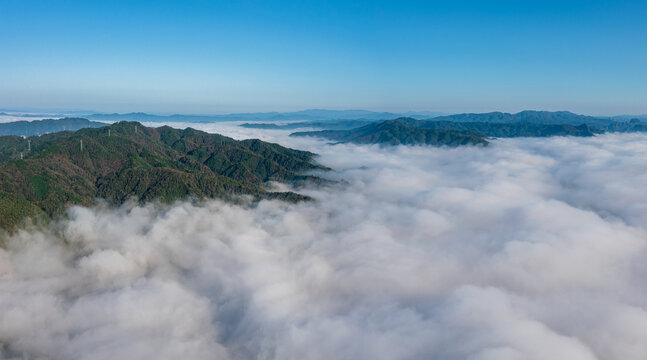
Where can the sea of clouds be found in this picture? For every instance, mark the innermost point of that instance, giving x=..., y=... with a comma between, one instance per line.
x=526, y=249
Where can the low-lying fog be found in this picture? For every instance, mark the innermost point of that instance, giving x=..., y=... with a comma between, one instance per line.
x=526, y=249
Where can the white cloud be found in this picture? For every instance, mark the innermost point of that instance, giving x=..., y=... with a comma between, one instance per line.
x=527, y=249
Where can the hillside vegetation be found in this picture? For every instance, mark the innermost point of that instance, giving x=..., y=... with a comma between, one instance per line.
x=519, y=129
x=393, y=132
x=464, y=129
x=127, y=160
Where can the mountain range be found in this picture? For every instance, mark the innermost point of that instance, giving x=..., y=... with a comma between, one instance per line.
x=428, y=132
x=129, y=161
x=394, y=132
x=41, y=175
x=40, y=127
x=320, y=115
x=512, y=129
x=330, y=125
x=332, y=115
x=528, y=117
x=305, y=115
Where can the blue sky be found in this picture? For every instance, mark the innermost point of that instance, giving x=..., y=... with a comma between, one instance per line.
x=230, y=56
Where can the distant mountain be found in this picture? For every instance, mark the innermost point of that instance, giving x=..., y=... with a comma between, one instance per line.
x=528, y=116
x=305, y=115
x=409, y=131
x=41, y=114
x=329, y=125
x=489, y=129
x=144, y=117
x=528, y=124
x=323, y=115
x=633, y=125
x=530, y=129
x=392, y=132
x=628, y=117
x=39, y=127
x=127, y=160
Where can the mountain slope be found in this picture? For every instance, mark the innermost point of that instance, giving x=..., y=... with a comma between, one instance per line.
x=392, y=132
x=521, y=129
x=528, y=116
x=137, y=162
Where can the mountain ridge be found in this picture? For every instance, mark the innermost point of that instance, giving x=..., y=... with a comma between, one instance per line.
x=393, y=132
x=128, y=160
x=39, y=127
x=307, y=115
x=529, y=116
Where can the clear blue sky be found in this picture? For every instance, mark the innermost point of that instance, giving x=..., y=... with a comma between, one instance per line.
x=230, y=56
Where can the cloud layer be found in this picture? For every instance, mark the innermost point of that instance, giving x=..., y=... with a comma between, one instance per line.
x=528, y=249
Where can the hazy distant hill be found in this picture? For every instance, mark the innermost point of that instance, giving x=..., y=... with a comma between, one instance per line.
x=530, y=129
x=329, y=125
x=140, y=162
x=393, y=132
x=492, y=125
x=526, y=123
x=519, y=129
x=528, y=116
x=306, y=115
x=39, y=127
x=633, y=125
x=323, y=115
x=628, y=117
x=411, y=131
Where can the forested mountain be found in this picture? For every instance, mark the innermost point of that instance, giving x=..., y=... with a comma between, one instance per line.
x=526, y=129
x=494, y=124
x=39, y=127
x=528, y=116
x=127, y=160
x=393, y=132
x=413, y=131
